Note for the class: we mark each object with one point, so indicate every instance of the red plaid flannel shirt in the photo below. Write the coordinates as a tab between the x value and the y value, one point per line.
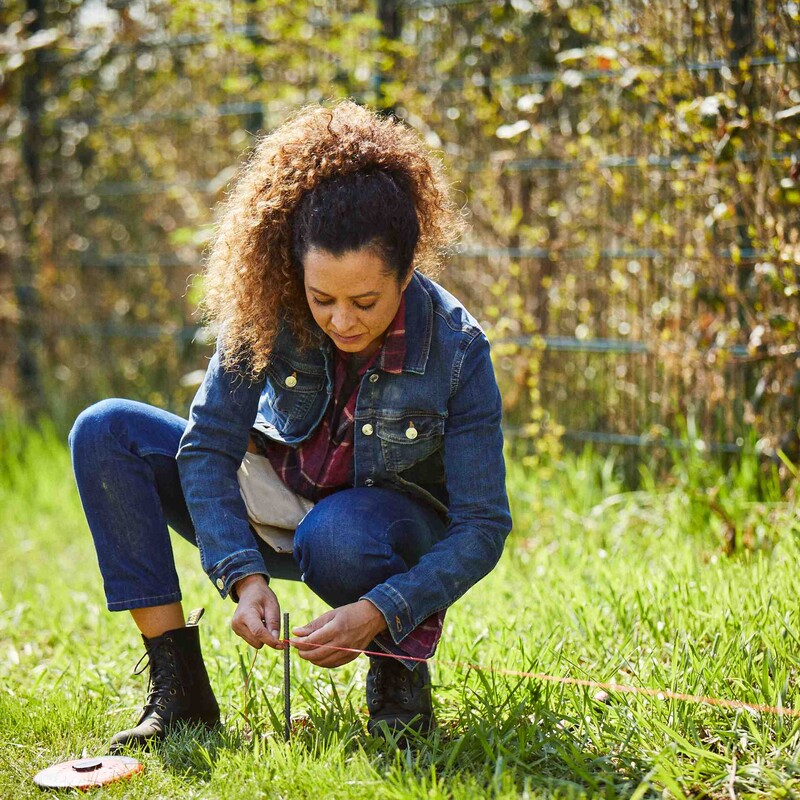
323	463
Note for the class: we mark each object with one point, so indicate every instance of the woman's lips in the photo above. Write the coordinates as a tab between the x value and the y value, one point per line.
346	338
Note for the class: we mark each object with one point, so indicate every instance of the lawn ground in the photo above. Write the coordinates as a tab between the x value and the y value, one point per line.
596	582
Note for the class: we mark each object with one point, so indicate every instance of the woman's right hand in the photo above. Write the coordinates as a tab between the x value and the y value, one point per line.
257	618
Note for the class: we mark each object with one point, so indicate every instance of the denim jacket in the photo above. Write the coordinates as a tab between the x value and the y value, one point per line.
432	431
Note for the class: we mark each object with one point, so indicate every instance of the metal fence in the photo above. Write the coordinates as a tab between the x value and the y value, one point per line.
112	319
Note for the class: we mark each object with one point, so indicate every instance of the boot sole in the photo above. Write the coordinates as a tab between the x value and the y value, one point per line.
155	738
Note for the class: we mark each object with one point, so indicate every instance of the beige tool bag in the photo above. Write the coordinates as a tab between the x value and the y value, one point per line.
273	508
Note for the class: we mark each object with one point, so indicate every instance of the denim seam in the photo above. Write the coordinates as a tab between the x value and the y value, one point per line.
389	528
446	317
232	593
394	597
239	571
116	438
156	452
386	593
427	335
124	446
458	364
220	566
173	596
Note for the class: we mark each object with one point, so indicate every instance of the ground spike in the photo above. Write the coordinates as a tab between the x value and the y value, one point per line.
287	702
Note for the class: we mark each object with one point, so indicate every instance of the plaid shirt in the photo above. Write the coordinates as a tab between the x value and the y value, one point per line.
323	463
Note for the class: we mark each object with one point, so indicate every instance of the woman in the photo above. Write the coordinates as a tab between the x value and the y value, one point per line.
367	387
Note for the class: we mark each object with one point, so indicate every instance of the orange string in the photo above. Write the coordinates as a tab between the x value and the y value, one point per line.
660	694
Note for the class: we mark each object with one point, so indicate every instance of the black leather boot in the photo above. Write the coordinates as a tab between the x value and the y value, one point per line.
398	699
179	688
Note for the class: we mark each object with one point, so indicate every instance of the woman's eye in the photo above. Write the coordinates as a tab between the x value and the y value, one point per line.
357	305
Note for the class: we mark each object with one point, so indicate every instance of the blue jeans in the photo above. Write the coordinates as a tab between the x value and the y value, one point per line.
123	456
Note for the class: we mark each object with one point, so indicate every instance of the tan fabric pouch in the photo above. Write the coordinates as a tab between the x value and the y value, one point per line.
273	509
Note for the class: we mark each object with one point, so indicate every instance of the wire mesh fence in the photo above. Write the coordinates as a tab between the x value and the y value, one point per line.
627	172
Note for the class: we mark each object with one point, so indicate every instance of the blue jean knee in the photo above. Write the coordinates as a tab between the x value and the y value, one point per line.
356	539
123	457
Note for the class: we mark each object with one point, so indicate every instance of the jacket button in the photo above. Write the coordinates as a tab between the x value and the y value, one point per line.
411	431
367	429
373	378
291	381
220	584
369	482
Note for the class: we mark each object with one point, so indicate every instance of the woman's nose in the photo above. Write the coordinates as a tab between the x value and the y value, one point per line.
341	321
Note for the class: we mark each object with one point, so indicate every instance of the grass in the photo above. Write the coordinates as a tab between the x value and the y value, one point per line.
689	583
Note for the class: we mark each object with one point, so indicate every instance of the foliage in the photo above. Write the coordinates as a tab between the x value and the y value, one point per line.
627	168
631	198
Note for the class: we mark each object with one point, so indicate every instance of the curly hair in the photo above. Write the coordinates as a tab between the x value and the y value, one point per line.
252	280
363	209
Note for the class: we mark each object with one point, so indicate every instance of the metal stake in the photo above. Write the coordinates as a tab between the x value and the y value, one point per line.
287	703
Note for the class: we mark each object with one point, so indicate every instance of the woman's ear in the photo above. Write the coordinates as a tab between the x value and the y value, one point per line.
407	280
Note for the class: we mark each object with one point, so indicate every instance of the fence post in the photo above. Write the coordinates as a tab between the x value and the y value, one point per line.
253	122
741	28
391	28
741	39
26	289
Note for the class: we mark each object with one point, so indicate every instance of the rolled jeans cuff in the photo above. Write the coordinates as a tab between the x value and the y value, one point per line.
144	602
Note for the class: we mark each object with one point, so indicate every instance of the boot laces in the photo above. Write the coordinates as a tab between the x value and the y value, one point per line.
392	683
163	682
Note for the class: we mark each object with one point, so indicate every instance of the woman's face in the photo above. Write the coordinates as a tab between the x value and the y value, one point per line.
353	297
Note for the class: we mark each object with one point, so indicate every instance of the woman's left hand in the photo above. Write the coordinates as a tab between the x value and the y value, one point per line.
354	626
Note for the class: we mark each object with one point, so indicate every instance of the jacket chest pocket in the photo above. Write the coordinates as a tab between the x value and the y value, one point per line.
294	390
409	439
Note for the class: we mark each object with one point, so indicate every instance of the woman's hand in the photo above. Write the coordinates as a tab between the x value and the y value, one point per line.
257	618
354	625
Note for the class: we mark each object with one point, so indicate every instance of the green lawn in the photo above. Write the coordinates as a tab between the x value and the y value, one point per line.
596	582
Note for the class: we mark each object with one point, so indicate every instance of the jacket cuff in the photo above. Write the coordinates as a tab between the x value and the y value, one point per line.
395	610
235	567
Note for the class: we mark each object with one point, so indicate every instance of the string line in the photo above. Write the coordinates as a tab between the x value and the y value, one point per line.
659	694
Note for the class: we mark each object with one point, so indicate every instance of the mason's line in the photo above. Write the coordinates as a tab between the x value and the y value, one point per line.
659	694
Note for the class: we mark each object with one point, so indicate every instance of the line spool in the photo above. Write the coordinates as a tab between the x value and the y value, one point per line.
88	773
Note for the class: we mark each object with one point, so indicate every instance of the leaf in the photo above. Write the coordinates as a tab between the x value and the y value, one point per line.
513	129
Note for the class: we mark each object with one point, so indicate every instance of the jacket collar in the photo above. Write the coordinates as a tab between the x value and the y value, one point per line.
419	325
